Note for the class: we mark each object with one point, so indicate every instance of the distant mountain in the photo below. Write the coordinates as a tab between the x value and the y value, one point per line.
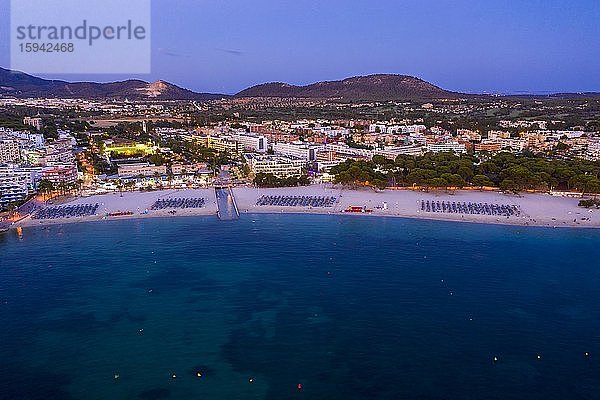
559	96
23	85
381	87
371	87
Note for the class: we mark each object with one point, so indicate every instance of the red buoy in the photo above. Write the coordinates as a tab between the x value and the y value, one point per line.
299	386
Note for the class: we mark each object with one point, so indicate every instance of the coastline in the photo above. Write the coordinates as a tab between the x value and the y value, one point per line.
539	210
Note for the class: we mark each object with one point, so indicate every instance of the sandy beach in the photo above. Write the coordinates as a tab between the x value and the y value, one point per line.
138	203
536	209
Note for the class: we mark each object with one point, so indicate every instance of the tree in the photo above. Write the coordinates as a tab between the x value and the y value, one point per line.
508	185
157	178
456	180
379	183
561	146
45	187
481	180
381	160
514	171
270	180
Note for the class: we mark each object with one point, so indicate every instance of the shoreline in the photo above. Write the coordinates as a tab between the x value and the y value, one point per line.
538	210
97	219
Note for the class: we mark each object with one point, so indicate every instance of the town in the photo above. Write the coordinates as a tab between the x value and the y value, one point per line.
299	200
91	147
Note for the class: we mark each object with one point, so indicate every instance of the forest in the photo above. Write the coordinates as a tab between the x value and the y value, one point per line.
509	172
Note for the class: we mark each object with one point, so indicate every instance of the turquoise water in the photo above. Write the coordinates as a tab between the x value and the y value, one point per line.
348	307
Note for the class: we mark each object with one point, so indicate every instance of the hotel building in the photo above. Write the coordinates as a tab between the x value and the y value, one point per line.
277	165
60	174
16	182
300	150
143	169
9	151
447	147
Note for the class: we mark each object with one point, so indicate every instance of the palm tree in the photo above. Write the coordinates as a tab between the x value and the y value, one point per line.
156	177
45	187
79	184
130	185
62	187
12	209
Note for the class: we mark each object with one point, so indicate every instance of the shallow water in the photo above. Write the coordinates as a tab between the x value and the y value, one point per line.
350	308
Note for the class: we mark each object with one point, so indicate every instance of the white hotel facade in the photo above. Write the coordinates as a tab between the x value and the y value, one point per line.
305	151
279	166
17	182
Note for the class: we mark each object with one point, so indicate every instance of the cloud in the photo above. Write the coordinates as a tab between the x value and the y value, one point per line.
231	51
171	53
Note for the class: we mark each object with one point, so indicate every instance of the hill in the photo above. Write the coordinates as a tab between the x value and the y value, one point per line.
381	87
23	85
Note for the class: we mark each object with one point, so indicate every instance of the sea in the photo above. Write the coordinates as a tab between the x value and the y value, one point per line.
288	306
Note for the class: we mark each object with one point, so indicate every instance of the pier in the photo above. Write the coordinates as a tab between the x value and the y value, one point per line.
226	207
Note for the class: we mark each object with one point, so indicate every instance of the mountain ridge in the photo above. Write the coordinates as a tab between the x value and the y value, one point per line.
20	84
376	87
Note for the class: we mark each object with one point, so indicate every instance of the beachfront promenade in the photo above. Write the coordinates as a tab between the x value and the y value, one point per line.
228	203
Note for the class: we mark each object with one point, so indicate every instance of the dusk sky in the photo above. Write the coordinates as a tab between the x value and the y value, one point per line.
462	45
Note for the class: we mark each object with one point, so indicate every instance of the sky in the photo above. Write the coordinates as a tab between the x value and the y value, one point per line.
495	46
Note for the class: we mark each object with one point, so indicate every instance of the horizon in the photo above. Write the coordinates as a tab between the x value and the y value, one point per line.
463	46
516	93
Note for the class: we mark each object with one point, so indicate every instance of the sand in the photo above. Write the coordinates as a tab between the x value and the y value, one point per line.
536	209
139	203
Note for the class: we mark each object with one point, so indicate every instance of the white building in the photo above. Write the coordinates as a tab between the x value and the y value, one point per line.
33	156
9	151
344	149
277	165
33	121
593	150
143	169
60	174
16	182
513	144
67	135
467	134
251	142
413	129
331	132
301	150
59	152
224	143
26	139
570	134
498	135
325	166
397	129
447	147
378	128
391	152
